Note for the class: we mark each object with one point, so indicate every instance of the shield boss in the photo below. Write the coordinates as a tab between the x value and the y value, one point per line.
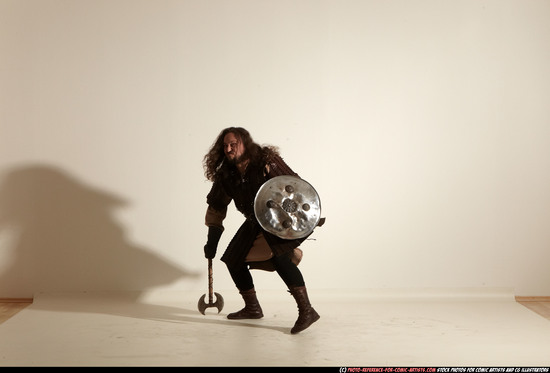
287	207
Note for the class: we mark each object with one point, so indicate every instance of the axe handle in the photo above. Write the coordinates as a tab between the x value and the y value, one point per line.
210	283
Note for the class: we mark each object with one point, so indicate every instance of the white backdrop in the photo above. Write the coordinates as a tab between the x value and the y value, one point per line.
424	126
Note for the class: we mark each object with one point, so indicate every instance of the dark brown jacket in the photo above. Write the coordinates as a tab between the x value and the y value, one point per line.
231	186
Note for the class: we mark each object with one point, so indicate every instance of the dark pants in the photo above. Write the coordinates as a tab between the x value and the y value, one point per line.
288	271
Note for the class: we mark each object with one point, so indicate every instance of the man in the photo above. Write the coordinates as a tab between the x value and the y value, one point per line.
237	167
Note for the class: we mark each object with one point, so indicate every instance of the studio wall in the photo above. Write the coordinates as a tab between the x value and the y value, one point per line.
423	125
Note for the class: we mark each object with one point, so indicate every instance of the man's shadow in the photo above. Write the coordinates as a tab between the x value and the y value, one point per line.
60	235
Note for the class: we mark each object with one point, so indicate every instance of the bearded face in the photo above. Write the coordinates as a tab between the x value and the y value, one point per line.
233	148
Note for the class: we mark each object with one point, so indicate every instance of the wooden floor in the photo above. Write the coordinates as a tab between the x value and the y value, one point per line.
9	307
539	305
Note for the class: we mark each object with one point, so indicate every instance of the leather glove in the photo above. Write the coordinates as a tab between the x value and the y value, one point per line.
214	234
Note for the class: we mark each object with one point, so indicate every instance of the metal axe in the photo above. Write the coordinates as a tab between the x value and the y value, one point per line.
219	299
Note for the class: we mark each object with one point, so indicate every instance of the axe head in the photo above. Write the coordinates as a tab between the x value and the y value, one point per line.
218	303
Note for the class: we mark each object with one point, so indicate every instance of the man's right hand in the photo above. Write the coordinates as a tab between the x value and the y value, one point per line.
214	234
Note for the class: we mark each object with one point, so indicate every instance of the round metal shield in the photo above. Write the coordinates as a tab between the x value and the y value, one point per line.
288	207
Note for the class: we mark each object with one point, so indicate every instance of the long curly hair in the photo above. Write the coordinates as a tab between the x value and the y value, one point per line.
214	160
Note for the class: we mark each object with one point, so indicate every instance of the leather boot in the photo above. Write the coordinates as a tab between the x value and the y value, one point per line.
251	310
306	314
